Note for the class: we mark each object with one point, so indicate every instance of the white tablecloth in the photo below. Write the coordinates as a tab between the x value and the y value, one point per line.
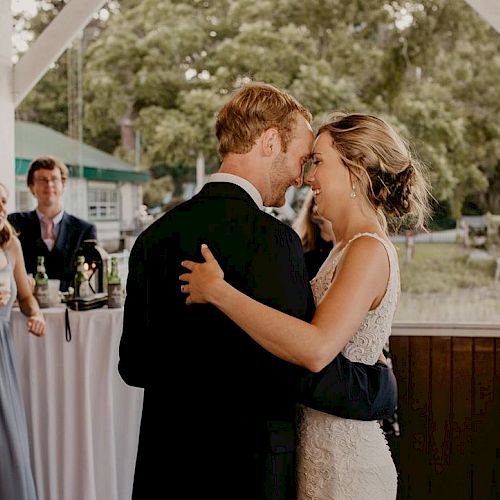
83	420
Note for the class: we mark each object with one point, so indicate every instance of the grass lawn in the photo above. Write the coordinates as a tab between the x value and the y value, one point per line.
441	283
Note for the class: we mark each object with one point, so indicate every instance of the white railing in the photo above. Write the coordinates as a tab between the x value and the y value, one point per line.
447	236
445	329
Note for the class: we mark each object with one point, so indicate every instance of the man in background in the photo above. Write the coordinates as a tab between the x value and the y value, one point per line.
48	230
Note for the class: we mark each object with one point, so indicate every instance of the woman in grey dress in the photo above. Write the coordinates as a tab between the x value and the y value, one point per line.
16	478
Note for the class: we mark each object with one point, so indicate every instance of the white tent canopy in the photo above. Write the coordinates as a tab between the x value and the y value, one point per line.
16	81
489	10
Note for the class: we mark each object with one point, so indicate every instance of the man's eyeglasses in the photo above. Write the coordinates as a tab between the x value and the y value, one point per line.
47	180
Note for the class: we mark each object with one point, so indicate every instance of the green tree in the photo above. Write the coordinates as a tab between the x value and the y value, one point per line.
162	69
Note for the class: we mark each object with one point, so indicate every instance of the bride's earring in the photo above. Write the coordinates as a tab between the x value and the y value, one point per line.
353	193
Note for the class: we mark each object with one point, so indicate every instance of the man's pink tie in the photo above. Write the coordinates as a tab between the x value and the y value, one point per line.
48	234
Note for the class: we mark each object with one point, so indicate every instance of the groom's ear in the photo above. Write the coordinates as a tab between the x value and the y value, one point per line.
270	142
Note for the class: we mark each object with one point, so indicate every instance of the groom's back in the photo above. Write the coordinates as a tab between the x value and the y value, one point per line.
222	391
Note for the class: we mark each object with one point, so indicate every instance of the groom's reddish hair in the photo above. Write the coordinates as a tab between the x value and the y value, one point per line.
252	109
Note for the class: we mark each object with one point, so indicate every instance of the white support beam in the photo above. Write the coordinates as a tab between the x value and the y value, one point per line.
7	155
51	43
489	10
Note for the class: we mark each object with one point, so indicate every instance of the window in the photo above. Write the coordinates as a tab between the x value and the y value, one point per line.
24	200
103	204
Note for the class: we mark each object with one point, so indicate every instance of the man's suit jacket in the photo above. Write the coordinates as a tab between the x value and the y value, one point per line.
60	262
218	408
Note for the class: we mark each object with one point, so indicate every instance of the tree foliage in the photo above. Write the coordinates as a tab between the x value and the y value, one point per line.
165	67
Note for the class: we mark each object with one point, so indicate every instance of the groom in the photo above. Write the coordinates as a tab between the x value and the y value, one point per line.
218	408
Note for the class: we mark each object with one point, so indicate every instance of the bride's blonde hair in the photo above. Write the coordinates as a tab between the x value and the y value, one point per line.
394	182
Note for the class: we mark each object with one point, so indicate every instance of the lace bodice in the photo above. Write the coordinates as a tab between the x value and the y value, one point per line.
367	343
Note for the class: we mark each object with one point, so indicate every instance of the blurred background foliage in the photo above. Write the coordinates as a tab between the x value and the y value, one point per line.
153	73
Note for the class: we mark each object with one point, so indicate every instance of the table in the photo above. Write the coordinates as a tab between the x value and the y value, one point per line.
83	420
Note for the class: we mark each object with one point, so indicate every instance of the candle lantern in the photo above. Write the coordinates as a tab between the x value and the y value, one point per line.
96	259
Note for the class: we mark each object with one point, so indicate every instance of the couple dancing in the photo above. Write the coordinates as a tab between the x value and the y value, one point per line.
231	376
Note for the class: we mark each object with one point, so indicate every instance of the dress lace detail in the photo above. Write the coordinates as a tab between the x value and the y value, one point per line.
342	459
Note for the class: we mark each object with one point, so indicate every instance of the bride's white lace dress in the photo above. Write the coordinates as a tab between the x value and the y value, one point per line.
345	459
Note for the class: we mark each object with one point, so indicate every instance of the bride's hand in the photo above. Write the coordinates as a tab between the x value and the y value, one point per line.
36	324
202	278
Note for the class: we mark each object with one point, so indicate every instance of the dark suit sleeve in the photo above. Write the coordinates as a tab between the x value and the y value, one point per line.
91	233
14	221
132	363
351	390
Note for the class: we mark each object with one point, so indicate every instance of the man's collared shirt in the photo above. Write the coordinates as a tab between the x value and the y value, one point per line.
57	221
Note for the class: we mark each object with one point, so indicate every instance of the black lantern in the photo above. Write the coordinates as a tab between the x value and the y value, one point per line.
96	259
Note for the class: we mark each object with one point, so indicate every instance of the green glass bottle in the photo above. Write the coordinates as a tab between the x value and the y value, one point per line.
81	280
41	291
115	295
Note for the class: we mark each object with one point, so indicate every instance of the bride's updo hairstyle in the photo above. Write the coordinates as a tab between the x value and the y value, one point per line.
379	159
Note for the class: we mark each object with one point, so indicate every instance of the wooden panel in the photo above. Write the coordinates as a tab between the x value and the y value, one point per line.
449	411
496	420
418	418
440	424
483	450
400	351
461	438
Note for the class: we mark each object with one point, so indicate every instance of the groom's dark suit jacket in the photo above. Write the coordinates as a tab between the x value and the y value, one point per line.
60	261
219	411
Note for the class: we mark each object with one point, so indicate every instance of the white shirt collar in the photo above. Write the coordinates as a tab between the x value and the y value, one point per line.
56	219
242	183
